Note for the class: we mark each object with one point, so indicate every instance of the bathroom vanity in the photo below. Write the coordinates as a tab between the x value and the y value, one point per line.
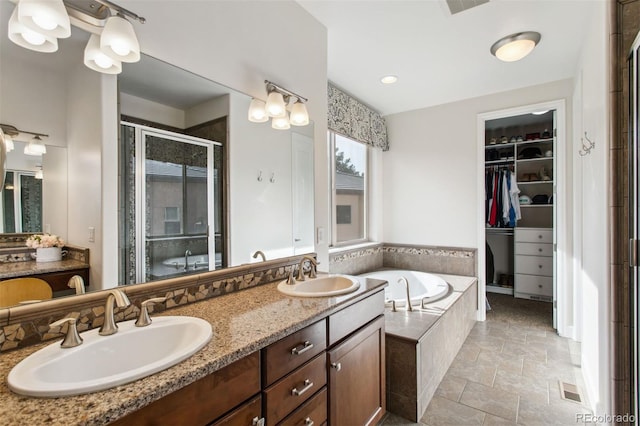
272	360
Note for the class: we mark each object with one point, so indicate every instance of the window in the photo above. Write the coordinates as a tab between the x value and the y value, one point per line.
349	190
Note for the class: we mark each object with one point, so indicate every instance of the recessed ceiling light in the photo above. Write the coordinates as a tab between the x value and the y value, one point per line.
389	79
515	46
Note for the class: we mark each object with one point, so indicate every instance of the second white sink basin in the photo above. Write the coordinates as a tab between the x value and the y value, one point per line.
323	286
103	362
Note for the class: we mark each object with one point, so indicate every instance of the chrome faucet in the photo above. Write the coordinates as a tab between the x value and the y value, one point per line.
406	283
186	259
121	300
312	271
261	254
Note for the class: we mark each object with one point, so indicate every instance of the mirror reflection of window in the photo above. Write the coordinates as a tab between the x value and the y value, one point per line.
22	202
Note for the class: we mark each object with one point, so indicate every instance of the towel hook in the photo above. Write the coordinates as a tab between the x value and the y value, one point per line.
586	148
260	176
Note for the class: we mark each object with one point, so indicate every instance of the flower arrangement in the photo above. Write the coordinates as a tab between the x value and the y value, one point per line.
44	240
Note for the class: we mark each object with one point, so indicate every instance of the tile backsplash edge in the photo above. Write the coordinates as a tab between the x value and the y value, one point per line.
26	325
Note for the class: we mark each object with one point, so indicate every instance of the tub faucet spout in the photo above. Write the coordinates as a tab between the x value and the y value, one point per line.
406	283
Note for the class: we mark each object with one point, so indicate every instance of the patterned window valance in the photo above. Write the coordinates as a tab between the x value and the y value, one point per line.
352	118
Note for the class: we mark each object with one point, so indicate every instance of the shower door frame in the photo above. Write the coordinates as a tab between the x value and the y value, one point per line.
140	175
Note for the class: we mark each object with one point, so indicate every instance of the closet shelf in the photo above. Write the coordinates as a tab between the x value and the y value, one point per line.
498	162
526	160
536	141
530	206
535	182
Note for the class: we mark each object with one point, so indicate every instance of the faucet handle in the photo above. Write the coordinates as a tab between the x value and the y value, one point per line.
144	319
72	338
292	279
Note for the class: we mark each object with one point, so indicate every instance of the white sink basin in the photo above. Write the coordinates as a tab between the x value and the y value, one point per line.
323	286
103	362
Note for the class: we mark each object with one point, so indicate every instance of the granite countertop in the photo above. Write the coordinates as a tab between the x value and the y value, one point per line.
398	324
21	269
242	323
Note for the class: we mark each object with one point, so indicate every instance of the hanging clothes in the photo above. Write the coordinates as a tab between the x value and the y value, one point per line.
502	207
514	193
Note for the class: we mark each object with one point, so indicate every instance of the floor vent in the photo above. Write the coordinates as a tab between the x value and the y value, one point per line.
570	392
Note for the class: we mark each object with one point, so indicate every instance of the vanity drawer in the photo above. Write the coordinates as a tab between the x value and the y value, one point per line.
314	410
243	415
292	351
534	235
534	265
287	394
534	249
532	284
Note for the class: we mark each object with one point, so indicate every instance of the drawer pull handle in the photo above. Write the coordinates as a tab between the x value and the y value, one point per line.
336	365
308	384
540	266
257	421
540	236
540	250
308	422
539	285
305	347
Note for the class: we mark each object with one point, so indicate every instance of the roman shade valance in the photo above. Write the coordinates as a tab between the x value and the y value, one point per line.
350	117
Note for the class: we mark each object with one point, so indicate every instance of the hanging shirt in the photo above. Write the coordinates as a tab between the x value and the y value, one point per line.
506	203
514	192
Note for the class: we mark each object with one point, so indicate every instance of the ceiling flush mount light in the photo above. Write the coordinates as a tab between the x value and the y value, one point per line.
515	46
37	25
388	79
278	99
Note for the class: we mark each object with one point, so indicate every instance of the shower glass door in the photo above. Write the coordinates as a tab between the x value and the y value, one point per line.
176	181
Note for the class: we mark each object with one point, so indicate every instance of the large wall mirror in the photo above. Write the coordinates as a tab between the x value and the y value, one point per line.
258	181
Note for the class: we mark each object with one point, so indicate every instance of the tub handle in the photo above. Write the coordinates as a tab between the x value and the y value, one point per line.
305	347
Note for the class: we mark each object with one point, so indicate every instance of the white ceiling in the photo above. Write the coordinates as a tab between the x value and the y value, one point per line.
439	57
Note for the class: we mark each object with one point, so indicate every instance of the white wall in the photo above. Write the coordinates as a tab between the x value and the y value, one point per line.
429	187
592	184
207	111
87	166
145	109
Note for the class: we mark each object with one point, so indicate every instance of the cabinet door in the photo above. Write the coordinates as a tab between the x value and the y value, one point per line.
248	414
357	377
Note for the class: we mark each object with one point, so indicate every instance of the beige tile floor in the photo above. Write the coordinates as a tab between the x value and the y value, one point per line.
507	372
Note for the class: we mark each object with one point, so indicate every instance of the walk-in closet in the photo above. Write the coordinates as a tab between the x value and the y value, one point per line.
519	205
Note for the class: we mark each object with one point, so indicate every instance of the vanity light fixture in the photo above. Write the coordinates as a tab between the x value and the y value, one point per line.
515	46
39	174
257	111
37	25
35	146
540	112
278	99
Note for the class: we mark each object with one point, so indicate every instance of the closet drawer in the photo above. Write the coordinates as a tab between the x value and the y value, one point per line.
534	265
532	284
534	235
534	249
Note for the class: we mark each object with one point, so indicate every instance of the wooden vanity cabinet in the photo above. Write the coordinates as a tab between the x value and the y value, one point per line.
208	399
58	280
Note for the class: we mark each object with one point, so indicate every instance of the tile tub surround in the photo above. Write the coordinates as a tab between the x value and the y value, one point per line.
242	322
421	346
507	372
441	260
25	325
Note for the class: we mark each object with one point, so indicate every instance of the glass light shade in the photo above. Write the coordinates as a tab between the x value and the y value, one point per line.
281	123
97	60
119	41
275	105
29	39
47	17
299	114
388	79
8	143
35	147
39	174
515	46
257	111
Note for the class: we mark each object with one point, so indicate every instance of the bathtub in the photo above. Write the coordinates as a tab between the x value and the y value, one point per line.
422	285
198	261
